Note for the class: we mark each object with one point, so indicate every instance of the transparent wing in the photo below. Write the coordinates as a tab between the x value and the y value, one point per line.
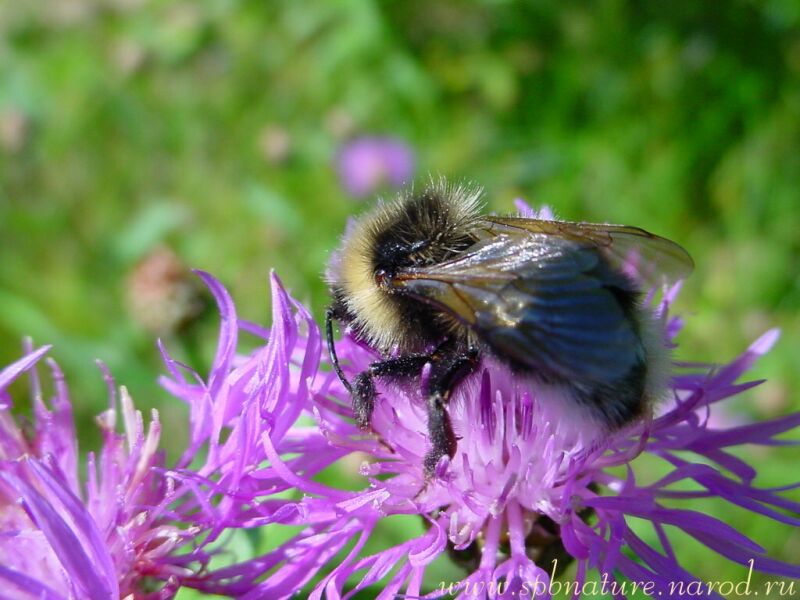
650	260
545	302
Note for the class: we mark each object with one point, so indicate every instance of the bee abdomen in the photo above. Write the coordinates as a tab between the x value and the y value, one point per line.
618	402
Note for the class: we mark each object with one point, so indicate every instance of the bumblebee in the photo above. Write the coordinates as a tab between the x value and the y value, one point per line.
426	279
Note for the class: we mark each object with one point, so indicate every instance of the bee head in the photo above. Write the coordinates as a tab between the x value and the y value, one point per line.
415	229
422	229
392	255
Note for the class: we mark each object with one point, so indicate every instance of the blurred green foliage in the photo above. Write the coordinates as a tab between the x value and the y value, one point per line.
211	126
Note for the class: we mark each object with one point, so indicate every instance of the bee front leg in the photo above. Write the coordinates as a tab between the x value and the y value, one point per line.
447	372
363	389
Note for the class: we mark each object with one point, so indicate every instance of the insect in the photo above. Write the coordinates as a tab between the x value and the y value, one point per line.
427	279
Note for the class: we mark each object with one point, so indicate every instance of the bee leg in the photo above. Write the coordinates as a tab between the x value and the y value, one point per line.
363	390
331	314
447	372
363	396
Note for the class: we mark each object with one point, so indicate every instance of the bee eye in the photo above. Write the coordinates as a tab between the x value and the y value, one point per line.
382	278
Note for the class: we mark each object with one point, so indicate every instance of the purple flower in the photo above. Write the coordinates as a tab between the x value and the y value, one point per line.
59	538
528	484
137	529
367	163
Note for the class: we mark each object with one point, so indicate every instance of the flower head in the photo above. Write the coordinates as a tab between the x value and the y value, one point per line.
64	539
526	486
136	526
366	163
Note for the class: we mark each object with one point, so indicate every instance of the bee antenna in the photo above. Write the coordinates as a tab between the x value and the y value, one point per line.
330	315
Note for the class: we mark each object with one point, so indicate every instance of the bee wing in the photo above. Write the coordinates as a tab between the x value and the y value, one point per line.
650	260
545	302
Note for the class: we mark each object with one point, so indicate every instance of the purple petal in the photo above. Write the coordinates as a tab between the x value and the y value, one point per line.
74	508
23	587
15	369
228	333
66	544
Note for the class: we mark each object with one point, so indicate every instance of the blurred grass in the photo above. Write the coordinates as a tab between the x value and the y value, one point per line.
211	126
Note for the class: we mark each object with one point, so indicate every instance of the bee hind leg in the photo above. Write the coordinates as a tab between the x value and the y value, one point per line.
448	370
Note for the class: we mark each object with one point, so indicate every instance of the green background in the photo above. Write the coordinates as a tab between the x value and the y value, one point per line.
212	126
